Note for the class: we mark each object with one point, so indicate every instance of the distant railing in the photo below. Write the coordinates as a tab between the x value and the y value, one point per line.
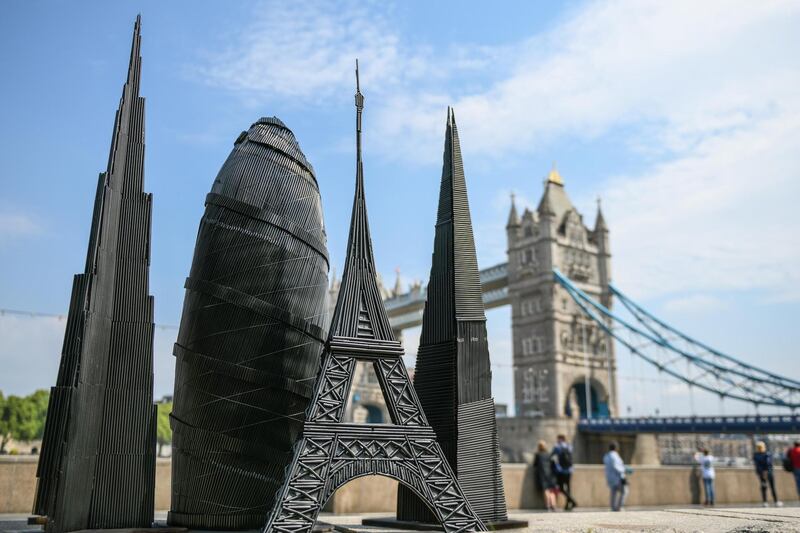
693	424
405	310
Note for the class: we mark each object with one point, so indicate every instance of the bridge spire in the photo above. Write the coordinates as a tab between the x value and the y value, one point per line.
600	221
513	217
553	176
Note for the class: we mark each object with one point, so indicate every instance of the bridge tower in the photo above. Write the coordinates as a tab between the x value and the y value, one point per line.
564	366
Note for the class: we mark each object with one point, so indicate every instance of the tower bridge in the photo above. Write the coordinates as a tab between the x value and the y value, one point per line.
557	280
563	362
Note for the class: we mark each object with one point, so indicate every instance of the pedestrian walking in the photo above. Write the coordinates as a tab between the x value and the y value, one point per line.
615	477
793	460
562	466
762	460
706	461
543	474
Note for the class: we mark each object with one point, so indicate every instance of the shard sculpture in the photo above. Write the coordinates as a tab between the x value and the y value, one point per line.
330	453
251	334
453	374
97	466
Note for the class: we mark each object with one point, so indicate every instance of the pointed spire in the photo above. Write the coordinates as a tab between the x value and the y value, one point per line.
398	284
359	110
359	309
456	272
135	62
545	207
554	176
453	371
129	123
513	217
600	221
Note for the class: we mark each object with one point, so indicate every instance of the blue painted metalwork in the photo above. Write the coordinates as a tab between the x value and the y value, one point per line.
668	333
663	346
599	407
693	424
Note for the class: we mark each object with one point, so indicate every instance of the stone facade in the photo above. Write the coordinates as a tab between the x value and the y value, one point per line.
554	343
676	485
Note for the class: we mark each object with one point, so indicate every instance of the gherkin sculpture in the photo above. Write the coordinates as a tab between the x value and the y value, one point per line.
453	375
97	466
252	330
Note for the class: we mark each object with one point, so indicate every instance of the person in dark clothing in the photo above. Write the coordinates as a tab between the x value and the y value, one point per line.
562	466
763	463
543	475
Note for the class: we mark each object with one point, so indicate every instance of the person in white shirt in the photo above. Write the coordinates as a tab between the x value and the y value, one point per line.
706	462
615	477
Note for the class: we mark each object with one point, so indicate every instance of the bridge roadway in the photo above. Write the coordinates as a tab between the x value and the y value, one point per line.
405	310
693	424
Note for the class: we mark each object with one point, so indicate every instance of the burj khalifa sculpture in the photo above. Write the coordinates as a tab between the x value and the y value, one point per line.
97	466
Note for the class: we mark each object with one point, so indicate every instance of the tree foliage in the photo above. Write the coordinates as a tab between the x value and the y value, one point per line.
163	430
22	418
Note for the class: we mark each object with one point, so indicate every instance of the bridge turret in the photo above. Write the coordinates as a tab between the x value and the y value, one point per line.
600	238
558	353
513	225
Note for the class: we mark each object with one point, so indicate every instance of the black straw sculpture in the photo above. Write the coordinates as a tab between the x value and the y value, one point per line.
251	334
97	468
453	375
331	453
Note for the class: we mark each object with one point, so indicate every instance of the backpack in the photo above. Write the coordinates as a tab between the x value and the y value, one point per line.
565	458
788	465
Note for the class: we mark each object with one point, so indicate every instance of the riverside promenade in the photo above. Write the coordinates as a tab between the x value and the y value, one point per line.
670	520
651	487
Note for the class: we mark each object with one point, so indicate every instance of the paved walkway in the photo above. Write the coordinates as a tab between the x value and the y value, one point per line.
673	520
677	520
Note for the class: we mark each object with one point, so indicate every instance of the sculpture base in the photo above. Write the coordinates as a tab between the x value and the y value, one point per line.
162	527
394	523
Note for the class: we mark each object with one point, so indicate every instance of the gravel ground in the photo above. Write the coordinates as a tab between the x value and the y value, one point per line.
677	520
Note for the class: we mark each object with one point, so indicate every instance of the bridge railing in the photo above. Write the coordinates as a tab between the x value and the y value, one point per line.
748	424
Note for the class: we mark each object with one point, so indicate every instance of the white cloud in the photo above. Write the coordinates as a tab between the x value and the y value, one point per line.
306	51
18	225
678	71
717	218
685	68
694	303
707	93
28	343
34	342
303	50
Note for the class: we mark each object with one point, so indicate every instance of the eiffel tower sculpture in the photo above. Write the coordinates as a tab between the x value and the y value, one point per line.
331	453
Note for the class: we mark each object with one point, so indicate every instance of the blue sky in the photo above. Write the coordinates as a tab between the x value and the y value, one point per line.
683	116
